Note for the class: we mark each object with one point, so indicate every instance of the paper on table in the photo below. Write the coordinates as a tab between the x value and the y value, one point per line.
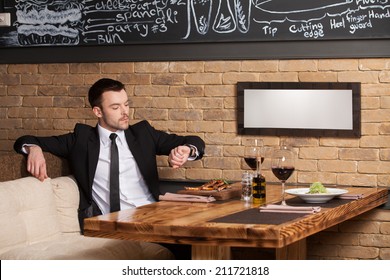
186	197
350	196
289	209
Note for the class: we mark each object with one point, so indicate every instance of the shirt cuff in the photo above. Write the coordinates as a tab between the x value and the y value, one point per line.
24	150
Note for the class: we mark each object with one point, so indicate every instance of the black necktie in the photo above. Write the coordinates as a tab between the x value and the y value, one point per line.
114	175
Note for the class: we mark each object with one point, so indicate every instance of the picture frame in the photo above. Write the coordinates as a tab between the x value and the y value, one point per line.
308	109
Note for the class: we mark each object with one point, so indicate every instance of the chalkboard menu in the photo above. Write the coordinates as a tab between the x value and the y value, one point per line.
79	23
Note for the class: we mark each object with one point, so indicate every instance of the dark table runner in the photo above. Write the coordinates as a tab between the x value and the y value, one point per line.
254	216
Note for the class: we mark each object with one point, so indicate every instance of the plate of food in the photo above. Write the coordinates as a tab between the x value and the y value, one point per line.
212	185
317	193
220	189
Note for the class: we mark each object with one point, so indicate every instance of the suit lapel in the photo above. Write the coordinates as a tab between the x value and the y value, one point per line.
135	149
93	155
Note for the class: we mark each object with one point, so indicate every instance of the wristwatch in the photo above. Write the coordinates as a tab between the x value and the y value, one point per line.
194	150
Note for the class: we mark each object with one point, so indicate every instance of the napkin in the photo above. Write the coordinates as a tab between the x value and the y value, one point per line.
289	209
186	197
350	196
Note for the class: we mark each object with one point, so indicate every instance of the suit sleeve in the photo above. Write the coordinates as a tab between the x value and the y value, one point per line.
57	145
165	142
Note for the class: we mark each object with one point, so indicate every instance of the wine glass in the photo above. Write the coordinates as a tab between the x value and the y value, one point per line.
282	165
253	154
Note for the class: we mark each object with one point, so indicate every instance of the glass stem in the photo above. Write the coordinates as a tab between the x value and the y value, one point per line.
283	200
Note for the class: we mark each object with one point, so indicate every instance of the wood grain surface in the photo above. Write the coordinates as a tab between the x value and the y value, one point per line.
189	223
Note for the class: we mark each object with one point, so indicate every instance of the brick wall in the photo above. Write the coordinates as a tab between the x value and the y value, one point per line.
364	237
200	98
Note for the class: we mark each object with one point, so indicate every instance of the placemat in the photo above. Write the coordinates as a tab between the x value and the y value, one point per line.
254	216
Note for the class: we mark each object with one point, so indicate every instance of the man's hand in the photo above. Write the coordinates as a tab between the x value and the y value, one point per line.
36	162
179	156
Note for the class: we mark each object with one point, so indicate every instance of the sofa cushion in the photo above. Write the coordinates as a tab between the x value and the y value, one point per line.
78	247
27	212
67	199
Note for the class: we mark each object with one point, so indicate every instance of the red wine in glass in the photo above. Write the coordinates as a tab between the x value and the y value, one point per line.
283	173
283	165
252	162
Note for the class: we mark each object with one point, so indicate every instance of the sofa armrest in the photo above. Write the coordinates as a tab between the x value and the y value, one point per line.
14	166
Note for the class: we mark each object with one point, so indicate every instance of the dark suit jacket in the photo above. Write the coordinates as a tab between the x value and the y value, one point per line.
81	148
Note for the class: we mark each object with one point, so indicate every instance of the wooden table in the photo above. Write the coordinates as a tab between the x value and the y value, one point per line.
191	223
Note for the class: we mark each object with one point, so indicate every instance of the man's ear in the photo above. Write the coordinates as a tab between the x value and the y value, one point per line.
97	111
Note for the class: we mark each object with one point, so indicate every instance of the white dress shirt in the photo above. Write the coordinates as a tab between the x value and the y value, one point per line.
133	190
132	187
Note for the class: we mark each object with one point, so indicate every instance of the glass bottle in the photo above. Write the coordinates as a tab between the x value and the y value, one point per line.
258	184
258	187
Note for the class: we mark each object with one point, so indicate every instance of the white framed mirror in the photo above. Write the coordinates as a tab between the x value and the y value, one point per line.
299	109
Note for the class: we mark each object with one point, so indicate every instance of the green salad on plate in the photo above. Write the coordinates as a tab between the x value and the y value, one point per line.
317	187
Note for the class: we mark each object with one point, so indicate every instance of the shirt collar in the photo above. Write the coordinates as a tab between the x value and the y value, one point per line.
104	135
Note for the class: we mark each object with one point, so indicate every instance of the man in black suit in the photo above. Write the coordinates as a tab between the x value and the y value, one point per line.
88	152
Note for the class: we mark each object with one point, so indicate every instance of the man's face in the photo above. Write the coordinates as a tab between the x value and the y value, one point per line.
114	112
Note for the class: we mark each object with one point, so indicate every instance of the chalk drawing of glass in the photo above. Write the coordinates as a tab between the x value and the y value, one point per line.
243	14
224	20
201	11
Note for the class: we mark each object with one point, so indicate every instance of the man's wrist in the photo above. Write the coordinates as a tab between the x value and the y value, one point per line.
26	148
193	151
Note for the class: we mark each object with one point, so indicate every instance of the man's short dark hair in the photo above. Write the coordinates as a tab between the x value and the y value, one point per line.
100	87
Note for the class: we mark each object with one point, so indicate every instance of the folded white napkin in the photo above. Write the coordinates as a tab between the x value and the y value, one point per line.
186	197
350	196
289	209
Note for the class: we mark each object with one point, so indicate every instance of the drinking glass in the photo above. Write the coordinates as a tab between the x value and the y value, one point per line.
253	154
283	165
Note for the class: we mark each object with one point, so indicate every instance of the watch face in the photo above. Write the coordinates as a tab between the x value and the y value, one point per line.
192	150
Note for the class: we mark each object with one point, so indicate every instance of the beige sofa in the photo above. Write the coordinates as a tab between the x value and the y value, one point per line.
38	220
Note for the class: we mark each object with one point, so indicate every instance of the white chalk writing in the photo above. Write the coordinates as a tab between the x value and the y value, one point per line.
101	22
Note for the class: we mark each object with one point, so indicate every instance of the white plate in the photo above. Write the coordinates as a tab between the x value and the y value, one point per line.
316	197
